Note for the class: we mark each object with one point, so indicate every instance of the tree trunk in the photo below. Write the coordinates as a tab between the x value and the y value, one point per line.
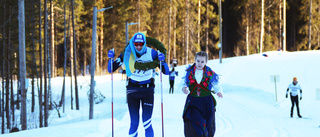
8	89
187	32
64	62
49	55
169	40
33	61
52	47
284	26
138	17
175	33
207	28
262	27
46	114
309	32
22	64
75	57
40	77
280	27
101	43
2	71
247	30
199	19
71	57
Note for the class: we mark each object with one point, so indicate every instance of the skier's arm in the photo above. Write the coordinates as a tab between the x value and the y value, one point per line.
215	85
287	91
218	90
116	63
164	65
184	82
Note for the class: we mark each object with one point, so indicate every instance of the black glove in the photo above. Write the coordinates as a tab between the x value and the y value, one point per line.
300	98
286	95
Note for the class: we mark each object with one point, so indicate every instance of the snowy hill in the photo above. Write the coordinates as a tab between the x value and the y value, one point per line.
248	109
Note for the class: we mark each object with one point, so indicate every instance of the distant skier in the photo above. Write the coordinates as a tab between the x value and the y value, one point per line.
172	75
154	73
199	110
294	89
140	87
174	62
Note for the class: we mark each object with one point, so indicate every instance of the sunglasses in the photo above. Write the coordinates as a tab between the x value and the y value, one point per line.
138	44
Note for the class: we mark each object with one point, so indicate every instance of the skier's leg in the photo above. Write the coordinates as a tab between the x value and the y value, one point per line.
172	86
292	104
297	104
147	108
134	106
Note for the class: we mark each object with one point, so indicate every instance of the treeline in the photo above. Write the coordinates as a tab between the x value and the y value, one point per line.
254	26
59	36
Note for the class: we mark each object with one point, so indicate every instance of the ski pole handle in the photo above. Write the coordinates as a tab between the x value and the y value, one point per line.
111	53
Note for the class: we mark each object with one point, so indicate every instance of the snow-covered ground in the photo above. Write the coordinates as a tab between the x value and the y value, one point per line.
248	109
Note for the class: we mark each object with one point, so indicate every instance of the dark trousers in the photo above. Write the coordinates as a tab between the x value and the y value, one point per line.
189	130
171	86
146	98
294	100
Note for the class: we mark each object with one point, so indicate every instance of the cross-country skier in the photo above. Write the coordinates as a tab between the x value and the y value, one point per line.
174	62
172	75
140	86
294	89
199	111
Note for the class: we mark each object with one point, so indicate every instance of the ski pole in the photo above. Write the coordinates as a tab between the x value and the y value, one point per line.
161	99
112	95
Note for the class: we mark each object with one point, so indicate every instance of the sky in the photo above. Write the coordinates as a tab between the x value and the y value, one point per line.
254	104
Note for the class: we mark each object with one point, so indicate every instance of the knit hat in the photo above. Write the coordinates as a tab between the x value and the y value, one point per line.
139	38
295	79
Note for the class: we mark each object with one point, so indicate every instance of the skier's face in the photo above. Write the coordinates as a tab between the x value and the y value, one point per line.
201	61
138	46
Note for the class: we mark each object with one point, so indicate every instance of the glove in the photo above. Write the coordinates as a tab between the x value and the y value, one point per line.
161	57
286	95
300	98
111	53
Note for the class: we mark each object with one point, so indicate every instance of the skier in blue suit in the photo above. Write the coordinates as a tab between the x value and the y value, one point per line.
140	87
172	75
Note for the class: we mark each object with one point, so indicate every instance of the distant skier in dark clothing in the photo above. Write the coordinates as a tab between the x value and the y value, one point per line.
199	110
294	89
140	87
172	75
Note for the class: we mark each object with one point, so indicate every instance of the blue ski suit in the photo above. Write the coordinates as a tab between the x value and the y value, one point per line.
140	87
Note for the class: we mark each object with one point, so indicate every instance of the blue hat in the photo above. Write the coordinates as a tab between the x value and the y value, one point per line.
139	38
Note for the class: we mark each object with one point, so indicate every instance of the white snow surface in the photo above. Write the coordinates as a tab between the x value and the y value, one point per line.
248	109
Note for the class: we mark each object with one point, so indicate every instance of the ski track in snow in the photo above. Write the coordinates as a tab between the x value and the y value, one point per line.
235	115
280	132
244	108
226	126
